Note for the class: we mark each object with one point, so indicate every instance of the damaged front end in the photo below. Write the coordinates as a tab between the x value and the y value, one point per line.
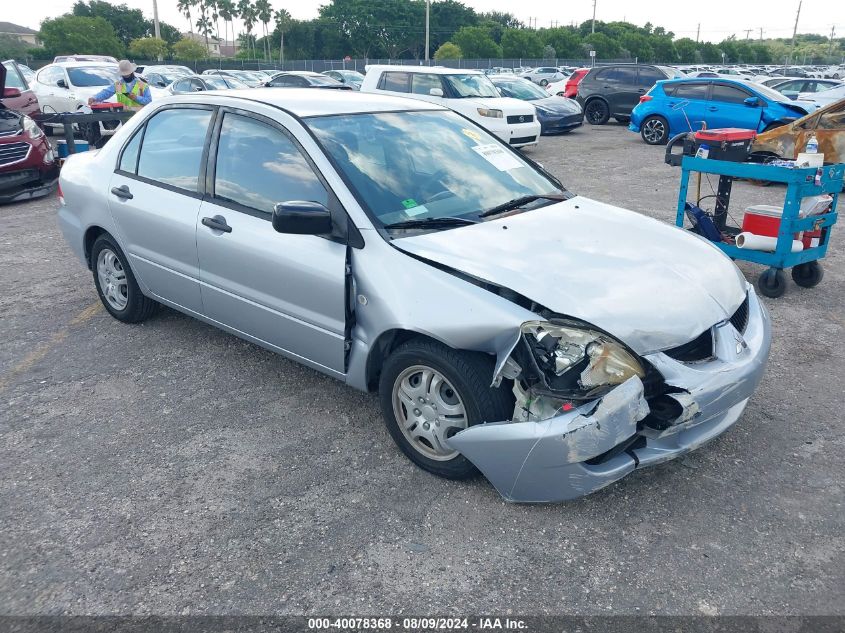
589	411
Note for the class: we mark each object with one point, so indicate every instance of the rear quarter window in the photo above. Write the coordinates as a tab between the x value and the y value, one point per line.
395	82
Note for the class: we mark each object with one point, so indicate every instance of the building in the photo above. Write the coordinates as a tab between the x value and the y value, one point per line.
22	33
229	48
213	42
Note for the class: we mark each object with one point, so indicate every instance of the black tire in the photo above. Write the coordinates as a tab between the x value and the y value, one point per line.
596	112
655	130
544	82
808	275
772	283
772	126
469	373
138	307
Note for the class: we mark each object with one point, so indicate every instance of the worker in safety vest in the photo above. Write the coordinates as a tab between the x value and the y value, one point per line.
131	91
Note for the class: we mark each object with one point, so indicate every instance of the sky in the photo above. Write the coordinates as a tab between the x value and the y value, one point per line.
718	18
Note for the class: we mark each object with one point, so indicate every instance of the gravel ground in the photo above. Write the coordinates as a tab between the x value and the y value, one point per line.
170	468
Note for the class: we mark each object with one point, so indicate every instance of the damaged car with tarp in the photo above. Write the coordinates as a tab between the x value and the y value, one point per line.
510	326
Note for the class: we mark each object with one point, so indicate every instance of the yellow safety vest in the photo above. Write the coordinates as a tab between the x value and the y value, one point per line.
137	90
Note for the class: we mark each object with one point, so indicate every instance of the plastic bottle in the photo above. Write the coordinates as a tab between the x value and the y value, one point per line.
812	145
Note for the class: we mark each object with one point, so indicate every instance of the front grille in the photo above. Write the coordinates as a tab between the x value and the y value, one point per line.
13	152
698	349
740	318
521	118
520	140
10	133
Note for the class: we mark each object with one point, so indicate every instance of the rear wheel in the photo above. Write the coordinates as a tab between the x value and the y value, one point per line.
429	393
544	82
116	283
655	130
596	112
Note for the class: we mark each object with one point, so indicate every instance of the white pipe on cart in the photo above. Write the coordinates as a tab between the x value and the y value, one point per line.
752	242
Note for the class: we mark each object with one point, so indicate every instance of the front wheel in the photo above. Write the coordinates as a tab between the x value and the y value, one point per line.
772	283
429	393
655	130
596	112
544	82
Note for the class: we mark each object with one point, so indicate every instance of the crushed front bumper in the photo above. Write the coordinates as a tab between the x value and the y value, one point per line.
587	448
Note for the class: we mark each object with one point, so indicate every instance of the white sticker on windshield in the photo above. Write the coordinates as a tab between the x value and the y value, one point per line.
415	211
497	156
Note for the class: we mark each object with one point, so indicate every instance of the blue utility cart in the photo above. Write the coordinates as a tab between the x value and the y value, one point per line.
800	183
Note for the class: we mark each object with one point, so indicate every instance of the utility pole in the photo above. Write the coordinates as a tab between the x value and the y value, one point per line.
155	19
795	30
748	34
830	44
761	33
427	12
697	32
594	16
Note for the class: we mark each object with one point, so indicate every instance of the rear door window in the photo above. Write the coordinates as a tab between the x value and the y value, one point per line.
690	91
395	82
649	76
172	147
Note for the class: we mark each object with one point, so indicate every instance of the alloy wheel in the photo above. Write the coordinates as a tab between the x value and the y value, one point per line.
112	278
654	131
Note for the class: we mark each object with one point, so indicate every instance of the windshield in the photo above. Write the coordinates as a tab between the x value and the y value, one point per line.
419	165
522	89
321	80
471	85
89	76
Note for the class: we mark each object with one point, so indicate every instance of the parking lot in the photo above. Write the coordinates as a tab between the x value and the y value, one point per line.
170	468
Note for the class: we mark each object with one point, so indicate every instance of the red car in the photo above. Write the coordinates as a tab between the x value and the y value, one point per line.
28	167
573	81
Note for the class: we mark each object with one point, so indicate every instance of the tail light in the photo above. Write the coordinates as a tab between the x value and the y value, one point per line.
645	98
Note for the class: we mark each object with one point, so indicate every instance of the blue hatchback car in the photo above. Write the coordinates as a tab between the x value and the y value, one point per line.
682	105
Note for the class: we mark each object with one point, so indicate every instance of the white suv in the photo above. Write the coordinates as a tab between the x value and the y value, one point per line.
467	92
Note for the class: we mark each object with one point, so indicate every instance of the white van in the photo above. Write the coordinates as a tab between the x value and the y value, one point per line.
468	92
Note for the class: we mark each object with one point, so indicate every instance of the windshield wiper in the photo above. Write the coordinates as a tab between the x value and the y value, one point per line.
519	202
425	223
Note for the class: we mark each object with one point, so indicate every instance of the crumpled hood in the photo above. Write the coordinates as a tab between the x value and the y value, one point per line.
651	285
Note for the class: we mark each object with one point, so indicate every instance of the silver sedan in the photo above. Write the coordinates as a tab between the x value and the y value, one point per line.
550	341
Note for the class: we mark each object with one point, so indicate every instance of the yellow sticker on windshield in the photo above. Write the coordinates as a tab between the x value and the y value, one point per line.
475	136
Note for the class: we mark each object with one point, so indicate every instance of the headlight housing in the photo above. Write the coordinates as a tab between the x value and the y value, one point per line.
31	128
496	114
575	361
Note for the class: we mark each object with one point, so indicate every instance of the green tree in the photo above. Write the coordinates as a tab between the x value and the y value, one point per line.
12	47
521	43
565	41
448	50
189	50
169	33
448	17
686	49
71	34
128	24
227	10
247	13
148	48
604	46
264	12
637	45
475	43
283	25
184	7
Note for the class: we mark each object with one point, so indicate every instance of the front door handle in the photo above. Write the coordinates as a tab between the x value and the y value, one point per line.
712	108
218	223
122	192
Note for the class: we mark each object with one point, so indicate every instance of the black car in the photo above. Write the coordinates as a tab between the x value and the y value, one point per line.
555	114
615	90
304	79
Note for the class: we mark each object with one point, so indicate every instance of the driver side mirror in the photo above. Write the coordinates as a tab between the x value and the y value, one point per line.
61	83
752	102
436	92
11	93
299	217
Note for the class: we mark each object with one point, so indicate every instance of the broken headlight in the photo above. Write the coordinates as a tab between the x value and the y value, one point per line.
574	361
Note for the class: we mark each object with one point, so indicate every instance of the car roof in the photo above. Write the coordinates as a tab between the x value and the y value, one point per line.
433	70
84	64
304	102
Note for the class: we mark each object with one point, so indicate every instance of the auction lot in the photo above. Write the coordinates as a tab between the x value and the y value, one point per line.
170	468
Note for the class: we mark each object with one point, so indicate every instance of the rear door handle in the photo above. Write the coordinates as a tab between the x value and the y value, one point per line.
218	223
122	192
712	108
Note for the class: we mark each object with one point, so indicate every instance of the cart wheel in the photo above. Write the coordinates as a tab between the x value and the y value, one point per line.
807	275
772	283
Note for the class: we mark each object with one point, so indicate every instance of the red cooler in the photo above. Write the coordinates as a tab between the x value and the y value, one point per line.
729	143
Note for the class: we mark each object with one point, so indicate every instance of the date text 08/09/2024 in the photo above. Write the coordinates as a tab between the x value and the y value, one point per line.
417	624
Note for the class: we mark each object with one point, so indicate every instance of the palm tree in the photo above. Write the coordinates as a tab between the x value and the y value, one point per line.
227	12
184	7
283	22
204	27
265	14
212	6
247	13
